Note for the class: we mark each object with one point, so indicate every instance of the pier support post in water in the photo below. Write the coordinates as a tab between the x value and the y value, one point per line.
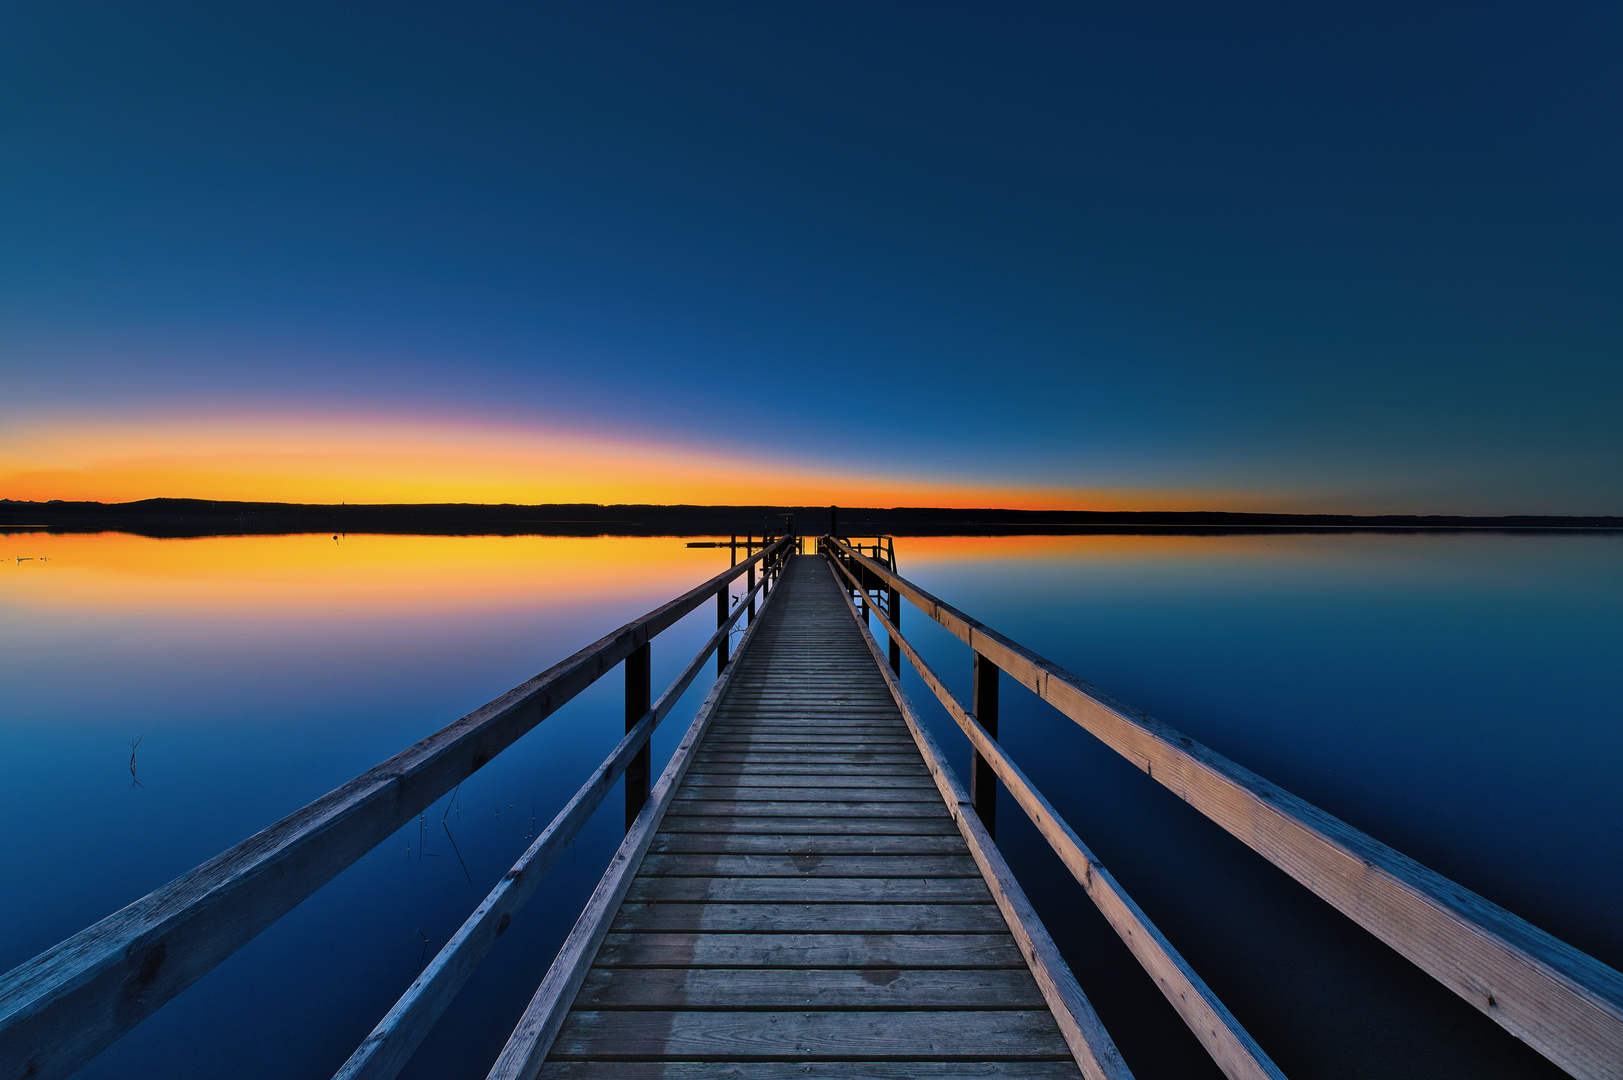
895	613
750	591
721	620
982	778
639	691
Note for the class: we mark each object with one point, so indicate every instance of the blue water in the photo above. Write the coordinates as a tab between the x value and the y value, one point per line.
1456	695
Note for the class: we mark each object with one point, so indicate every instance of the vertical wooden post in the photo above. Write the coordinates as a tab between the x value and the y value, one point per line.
834	521
895	605
722	596
751	585
639	690
864	607
982	780
734	546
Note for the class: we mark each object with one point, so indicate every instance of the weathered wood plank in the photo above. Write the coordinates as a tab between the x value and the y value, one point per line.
741	890
864	780
811	918
800	988
853	826
799	844
807	794
810	1036
827	808
794	1070
815	865
809	950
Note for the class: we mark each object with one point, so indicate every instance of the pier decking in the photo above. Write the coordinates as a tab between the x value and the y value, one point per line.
808	898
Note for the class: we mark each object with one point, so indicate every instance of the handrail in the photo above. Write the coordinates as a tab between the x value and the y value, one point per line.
1228	1043
64	1006
1564	1003
384	1052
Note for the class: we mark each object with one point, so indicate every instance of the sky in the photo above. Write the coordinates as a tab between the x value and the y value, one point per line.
1356	257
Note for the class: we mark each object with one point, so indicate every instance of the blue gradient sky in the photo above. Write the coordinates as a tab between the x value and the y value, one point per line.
1360	258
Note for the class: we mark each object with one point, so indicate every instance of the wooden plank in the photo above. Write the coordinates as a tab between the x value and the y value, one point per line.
64	1006
739	890
794	1070
800	988
912	768
748	843
1564	1003
815	865
863	781
810	1036
809	950
828	808
852	826
822	793
811	918
527	1046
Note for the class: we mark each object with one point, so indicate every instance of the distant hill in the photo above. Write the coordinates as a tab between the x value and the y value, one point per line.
200	517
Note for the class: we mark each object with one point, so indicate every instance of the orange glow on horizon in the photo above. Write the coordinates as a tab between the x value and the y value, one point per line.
368	460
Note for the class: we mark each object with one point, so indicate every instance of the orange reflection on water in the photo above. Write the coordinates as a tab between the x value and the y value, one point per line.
357	574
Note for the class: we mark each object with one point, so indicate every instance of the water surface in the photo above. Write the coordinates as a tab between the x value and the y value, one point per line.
1455	695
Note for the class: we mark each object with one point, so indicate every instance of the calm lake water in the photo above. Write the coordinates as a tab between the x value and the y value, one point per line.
1459	696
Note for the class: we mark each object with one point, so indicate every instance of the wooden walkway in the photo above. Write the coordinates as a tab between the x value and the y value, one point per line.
808	903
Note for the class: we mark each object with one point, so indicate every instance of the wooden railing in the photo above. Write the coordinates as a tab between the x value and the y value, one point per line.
69	1003
1564	1003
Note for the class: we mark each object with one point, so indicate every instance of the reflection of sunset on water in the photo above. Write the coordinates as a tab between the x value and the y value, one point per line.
355	575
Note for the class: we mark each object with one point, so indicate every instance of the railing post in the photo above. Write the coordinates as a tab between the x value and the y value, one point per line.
639	698
733	545
751	594
982	778
896	623
722	596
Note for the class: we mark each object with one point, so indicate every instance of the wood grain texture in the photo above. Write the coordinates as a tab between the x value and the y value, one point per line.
796	1070
811	988
810	1036
1559	1000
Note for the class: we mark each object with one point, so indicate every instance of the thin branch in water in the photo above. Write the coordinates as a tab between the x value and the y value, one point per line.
136	780
458	851
423	958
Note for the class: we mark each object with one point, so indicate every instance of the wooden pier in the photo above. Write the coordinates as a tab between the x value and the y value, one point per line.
808	889
807	898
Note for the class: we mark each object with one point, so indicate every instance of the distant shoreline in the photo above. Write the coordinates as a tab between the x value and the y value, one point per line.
200	517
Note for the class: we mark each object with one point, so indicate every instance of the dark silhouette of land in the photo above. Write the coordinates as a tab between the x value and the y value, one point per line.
200	517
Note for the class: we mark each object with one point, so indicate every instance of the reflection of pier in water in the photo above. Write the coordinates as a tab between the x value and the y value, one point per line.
808	888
